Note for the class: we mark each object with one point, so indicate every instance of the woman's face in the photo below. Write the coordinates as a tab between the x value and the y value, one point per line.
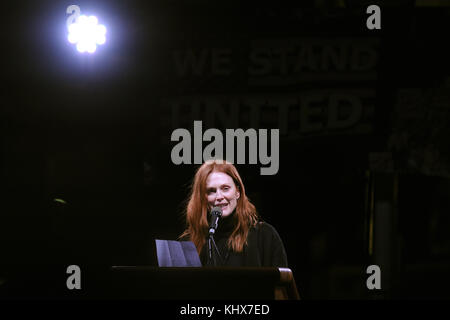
221	192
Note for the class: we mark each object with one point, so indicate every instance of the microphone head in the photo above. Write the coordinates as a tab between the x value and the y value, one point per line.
217	211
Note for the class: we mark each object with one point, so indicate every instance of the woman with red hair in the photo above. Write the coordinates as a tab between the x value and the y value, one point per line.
241	238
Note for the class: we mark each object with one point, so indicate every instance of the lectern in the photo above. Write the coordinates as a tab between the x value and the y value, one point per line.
202	283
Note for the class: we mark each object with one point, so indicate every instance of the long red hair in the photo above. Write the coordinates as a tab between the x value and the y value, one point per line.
197	208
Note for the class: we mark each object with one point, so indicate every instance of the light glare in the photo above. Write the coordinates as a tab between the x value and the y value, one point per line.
93	20
86	33
72	38
81	47
101	39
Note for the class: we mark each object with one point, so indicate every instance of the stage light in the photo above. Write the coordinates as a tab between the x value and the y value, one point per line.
59	201
86	33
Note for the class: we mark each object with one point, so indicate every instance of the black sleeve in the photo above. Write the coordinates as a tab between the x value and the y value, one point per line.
271	247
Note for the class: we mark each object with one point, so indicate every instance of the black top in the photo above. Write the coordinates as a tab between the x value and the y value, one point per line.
264	247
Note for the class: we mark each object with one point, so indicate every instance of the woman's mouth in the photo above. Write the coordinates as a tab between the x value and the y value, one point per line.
222	206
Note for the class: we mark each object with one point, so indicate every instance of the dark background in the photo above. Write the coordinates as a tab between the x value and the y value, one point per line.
94	130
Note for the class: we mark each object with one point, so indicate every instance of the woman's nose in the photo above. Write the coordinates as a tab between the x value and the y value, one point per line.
219	195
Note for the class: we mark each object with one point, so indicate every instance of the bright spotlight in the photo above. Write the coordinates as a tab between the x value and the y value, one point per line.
86	33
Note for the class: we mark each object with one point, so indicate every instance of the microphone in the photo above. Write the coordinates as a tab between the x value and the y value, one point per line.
216	213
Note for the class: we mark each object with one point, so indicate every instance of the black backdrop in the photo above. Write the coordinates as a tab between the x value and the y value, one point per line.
94	130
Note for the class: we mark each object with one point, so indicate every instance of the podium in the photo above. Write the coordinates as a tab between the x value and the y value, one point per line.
202	283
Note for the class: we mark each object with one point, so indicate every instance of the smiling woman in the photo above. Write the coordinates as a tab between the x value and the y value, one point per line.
242	238
222	192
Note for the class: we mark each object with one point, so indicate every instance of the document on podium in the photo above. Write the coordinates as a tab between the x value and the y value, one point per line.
173	253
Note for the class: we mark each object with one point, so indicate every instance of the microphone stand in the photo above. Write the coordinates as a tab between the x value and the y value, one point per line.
212	257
